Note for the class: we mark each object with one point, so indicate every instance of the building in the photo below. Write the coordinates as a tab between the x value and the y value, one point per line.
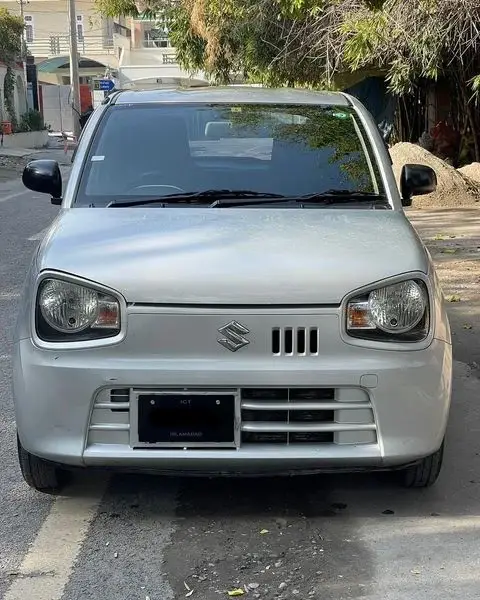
135	51
47	39
145	56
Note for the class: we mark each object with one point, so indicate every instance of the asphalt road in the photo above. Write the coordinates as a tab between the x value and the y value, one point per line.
138	537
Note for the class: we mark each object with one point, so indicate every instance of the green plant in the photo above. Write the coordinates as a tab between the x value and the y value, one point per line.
32	120
11	28
8	93
332	44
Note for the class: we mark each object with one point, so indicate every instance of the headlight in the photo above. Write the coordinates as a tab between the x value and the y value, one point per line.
397	312
70	312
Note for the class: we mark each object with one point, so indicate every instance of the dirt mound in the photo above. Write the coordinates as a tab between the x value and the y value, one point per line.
454	187
472	171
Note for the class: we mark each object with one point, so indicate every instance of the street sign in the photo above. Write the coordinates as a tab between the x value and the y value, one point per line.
106	85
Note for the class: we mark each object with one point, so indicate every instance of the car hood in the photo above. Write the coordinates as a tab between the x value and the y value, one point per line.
232	256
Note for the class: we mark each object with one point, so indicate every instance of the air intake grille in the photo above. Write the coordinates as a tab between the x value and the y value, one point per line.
120	396
291	341
263	416
301	416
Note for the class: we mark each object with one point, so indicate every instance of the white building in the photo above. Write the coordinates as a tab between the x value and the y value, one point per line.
146	58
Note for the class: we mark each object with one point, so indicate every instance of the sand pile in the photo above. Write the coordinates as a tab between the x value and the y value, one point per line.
472	171
455	188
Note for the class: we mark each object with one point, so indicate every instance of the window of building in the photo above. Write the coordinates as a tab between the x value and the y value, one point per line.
29	32
80	33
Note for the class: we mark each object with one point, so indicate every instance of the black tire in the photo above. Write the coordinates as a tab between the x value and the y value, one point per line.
425	473
40	474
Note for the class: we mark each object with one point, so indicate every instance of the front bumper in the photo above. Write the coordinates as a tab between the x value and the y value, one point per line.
403	403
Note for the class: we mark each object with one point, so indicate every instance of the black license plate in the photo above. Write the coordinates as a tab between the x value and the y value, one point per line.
186	419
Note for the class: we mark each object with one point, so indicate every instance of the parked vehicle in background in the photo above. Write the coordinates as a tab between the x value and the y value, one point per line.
232	287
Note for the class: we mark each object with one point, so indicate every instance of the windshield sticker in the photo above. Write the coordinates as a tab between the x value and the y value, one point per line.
97	158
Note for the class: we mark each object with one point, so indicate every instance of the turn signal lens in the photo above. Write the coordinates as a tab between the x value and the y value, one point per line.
358	316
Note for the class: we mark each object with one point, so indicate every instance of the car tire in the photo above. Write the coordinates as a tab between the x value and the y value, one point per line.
425	473
40	474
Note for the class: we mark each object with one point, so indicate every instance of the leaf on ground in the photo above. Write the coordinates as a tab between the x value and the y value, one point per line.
453	298
467	326
236	592
264	531
449	250
415	572
443	236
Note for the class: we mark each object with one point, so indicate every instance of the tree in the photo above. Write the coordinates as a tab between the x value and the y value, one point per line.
11	28
332	44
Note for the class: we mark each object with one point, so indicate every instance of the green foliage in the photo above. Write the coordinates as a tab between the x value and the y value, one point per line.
316	43
8	94
32	120
116	8
11	28
315	130
365	35
475	84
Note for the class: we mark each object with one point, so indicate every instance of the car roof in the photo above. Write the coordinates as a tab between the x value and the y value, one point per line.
230	94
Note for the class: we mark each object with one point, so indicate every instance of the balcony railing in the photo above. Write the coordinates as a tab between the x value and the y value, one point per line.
169	59
59	45
156	43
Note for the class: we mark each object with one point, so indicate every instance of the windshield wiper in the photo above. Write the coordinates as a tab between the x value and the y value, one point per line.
191	197
335	195
328	197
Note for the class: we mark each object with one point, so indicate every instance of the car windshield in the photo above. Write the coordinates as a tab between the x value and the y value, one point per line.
152	151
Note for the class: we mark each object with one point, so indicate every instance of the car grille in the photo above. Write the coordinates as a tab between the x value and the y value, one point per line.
266	416
295	341
305	416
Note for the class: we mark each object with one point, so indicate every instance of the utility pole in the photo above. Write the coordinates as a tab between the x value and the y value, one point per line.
24	49
74	80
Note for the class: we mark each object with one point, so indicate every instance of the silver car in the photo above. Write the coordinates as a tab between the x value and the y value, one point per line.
231	286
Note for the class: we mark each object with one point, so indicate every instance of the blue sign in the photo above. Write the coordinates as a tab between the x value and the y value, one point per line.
106	85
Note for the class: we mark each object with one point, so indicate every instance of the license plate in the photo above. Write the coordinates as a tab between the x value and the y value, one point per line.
181	419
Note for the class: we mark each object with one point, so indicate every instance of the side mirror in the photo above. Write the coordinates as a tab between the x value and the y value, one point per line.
416	180
44	176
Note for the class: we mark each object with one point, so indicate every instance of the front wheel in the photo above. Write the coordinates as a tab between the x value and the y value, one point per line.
40	474
425	473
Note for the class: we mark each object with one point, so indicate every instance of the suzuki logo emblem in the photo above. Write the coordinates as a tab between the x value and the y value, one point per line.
233	334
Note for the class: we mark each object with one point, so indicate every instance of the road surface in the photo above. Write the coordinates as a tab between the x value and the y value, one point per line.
134	537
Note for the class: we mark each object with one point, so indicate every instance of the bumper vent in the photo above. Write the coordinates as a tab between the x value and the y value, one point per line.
291	341
120	396
303	416
110	418
263	416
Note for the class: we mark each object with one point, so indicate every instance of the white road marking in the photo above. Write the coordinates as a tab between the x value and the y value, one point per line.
48	564
11	196
38	236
